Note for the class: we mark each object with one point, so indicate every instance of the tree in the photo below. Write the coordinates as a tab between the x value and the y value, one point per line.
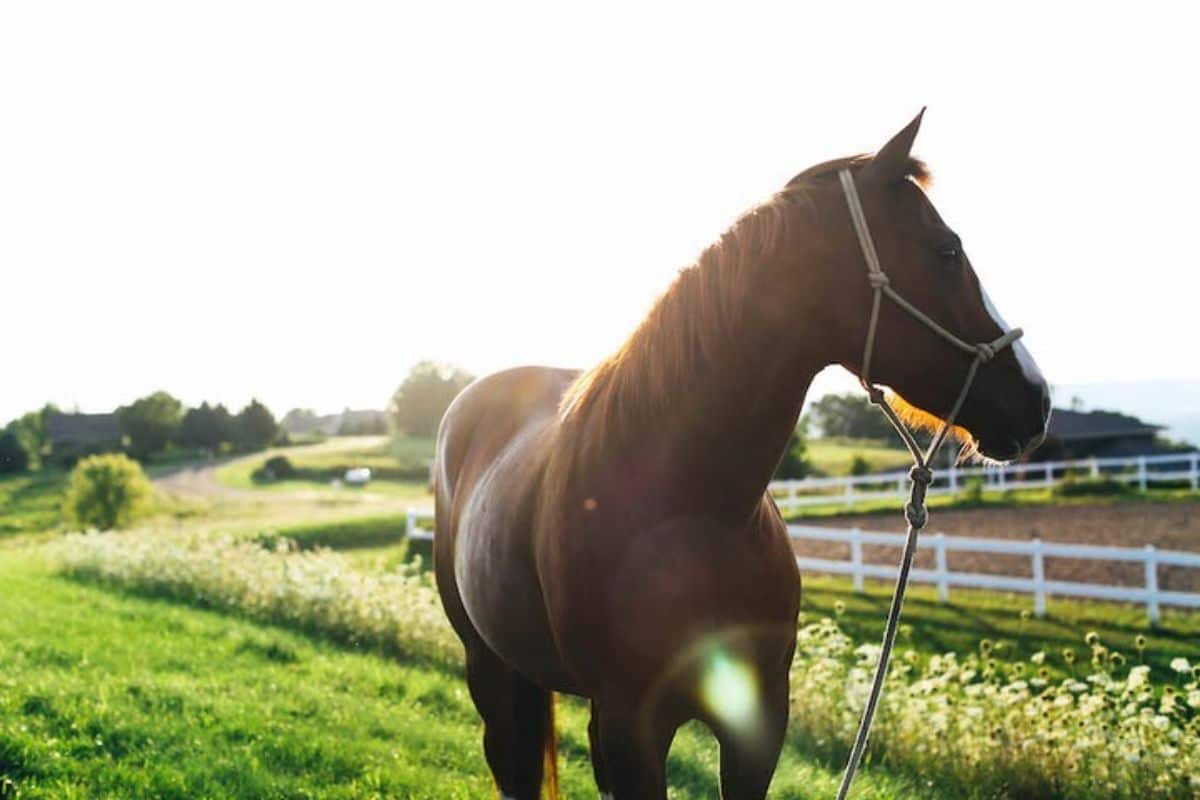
13	455
150	423
851	416
418	405
30	430
255	427
206	426
106	491
794	464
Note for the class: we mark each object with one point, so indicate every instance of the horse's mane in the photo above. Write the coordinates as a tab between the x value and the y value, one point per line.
695	320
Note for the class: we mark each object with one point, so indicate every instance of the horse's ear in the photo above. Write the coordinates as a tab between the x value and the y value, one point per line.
891	162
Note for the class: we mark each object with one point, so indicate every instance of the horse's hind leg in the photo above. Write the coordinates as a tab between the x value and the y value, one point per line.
517	723
599	768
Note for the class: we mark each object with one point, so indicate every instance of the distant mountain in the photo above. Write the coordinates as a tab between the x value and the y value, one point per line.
1175	403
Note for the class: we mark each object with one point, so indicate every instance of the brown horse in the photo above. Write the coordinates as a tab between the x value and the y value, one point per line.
609	534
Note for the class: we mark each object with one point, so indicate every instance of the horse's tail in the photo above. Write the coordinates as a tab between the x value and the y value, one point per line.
550	750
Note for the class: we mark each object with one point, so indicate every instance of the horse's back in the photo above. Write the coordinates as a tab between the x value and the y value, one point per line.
491	452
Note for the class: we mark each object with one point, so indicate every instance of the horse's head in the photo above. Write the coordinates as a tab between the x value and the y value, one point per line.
1007	409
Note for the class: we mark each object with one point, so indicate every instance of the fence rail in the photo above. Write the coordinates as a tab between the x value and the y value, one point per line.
848	491
1149	594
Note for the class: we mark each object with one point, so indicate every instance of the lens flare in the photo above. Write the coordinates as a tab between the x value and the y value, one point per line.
729	690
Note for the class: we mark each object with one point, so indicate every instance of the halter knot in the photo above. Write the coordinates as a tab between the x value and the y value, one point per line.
917	516
921	475
878	280
875	395
985	352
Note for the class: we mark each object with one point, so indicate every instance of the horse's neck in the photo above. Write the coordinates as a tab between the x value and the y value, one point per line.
717	428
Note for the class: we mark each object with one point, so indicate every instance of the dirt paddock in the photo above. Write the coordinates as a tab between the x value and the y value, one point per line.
1167	526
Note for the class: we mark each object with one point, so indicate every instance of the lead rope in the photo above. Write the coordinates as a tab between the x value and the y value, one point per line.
920	474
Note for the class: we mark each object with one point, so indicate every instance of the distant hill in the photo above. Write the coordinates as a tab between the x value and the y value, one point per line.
1174	404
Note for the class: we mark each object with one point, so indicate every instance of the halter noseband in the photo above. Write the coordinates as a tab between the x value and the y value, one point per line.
921	475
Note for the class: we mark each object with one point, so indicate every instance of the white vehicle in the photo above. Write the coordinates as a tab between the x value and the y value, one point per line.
359	476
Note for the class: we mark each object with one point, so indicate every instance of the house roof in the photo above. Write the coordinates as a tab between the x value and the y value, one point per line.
1067	426
83	429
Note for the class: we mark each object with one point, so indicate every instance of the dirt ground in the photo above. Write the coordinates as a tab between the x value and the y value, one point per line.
1167	526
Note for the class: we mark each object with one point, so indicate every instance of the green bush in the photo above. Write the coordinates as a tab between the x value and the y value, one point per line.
973	492
275	468
105	492
13	455
859	465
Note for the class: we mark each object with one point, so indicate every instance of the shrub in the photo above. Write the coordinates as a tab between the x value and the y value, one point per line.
13	455
105	492
794	464
275	468
859	465
973	492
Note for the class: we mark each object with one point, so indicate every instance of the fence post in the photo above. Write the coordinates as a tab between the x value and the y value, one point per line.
792	499
1151	584
1094	465
1195	470
410	523
1039	579
1000	477
856	558
943	571
953	480
1141	462
849	494
1049	474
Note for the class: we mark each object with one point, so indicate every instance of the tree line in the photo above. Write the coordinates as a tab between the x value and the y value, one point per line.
149	426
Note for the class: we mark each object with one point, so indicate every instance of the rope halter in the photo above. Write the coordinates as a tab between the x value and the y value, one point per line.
920	475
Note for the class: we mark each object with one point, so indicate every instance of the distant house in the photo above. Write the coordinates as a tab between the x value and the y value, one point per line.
1103	434
72	436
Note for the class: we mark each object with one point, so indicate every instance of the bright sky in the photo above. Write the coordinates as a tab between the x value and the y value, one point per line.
298	201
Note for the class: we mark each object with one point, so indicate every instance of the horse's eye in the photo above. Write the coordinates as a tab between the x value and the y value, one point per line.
951	254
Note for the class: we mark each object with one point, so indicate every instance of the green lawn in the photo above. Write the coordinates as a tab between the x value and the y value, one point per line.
834	456
1008	498
31	502
106	695
334	456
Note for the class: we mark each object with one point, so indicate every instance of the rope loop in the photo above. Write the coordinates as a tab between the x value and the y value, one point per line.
878	280
875	395
985	352
921	475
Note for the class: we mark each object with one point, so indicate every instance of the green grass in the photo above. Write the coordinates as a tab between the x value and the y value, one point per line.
932	628
834	456
346	534
1009	498
31	502
107	695
334	456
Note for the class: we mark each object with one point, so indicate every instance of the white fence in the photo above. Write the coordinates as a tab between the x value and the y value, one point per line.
1142	471
1149	594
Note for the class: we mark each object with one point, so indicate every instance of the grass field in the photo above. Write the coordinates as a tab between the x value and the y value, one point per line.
110	692
108	695
834	456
